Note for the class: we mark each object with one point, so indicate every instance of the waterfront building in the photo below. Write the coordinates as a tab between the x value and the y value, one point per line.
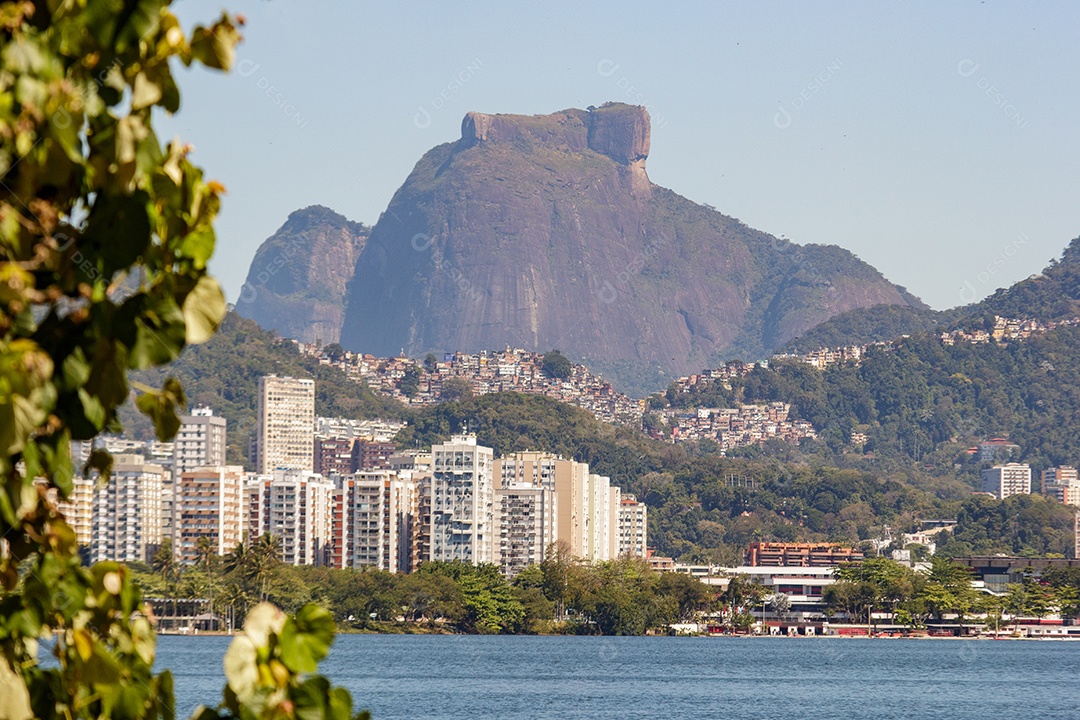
633	527
372	522
208	503
78	510
462	524
294	507
527	525
1006	480
127	512
286	424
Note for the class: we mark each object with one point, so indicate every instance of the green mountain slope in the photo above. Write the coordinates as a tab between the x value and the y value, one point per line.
1054	294
224	374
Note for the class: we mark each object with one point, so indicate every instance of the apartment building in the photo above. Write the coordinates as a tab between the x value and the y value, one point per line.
78	510
208	503
127	512
200	442
293	506
334	455
369	455
1062	483
527	525
286	424
633	527
373	521
1006	480
463	524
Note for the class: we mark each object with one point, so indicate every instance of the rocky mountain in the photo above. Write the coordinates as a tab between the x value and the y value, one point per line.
296	283
546	232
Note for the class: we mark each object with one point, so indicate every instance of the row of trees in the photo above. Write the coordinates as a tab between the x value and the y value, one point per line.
880	585
562	594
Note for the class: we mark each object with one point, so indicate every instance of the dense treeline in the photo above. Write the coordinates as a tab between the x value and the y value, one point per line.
927	402
1052	295
563	595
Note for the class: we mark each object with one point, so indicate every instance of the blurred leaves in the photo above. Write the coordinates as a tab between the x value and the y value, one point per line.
105	237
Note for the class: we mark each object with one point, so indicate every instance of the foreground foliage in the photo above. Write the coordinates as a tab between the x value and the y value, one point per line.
105	236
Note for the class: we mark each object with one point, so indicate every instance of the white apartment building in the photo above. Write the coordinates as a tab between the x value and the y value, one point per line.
78	510
463	525
200	442
1007	480
527	519
293	506
373	520
286	424
127	512
633	527
209	502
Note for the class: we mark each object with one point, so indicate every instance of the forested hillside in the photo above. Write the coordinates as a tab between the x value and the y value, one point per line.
224	374
928	402
1052	295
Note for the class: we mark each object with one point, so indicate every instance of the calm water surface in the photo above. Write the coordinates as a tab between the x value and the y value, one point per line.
459	677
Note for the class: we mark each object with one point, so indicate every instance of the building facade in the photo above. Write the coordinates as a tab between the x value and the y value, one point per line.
1007	480
286	424
633	527
294	507
78	510
127	512
208	503
527	526
463	525
1062	483
780	554
200	442
333	455
373	522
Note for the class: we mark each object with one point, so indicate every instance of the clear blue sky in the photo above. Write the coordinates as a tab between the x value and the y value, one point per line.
937	141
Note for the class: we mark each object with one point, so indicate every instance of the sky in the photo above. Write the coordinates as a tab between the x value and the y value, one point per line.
937	141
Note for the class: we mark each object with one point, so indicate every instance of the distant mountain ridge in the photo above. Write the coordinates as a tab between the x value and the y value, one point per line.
297	280
545	231
1051	295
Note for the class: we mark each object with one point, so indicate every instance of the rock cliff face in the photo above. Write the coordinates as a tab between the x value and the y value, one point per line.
296	283
545	232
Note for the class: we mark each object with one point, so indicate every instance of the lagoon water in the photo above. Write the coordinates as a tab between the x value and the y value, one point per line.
514	678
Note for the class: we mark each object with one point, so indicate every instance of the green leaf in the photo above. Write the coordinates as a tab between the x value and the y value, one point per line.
118	229
311	699
215	46
306	638
160	331
340	704
204	309
161	407
241	668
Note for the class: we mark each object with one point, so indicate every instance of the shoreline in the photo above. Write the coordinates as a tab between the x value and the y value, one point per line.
723	636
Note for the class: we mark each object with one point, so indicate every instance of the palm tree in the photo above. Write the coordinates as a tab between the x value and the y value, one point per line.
235	565
266	557
164	562
204	550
